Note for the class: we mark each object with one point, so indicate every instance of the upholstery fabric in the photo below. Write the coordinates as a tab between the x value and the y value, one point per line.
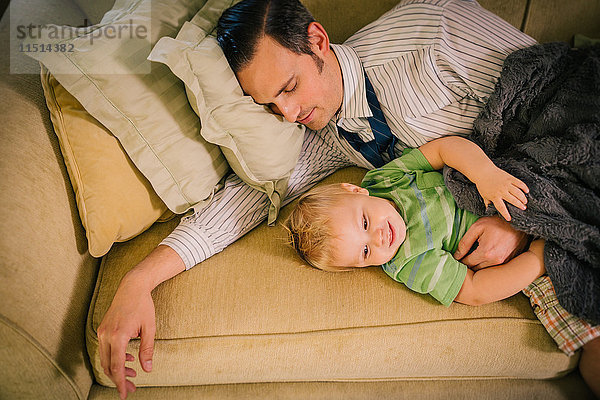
19	383
46	273
262	148
245	316
115	201
549	21
476	389
47	276
144	106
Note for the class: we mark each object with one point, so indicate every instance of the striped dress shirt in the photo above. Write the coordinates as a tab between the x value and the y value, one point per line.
432	64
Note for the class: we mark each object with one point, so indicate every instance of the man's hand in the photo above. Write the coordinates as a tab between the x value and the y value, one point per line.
131	314
498	242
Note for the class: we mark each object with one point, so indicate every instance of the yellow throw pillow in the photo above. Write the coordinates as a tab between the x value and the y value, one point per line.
115	201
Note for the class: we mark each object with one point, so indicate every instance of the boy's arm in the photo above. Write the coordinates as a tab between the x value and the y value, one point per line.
502	281
494	184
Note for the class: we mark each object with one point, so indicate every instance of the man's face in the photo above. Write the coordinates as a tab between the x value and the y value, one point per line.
366	230
292	85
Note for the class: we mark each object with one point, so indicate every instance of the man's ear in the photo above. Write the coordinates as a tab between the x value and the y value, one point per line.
318	38
351	188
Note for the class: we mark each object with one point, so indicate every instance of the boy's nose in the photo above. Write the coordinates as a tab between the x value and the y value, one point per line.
378	237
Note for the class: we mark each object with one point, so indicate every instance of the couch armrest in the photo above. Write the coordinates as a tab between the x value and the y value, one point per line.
47	275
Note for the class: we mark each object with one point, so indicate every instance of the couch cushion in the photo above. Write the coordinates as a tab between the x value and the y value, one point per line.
248	315
47	277
568	388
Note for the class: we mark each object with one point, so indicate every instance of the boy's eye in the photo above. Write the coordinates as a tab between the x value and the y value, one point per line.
364	223
366	251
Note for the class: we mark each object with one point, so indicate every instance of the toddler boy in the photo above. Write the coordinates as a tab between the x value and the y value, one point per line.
405	219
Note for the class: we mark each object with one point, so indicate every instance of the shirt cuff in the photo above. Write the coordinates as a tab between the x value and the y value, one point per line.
190	243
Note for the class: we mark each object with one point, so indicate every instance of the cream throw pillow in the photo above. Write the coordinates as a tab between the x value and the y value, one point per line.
143	104
115	201
261	147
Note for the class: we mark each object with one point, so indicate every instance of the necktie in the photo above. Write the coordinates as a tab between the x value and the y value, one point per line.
384	139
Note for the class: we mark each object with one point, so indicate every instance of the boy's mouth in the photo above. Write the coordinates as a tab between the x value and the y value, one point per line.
391	234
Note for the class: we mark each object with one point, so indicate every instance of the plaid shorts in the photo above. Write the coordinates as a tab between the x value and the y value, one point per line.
568	331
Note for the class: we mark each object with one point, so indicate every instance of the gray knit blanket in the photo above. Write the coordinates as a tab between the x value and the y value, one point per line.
542	125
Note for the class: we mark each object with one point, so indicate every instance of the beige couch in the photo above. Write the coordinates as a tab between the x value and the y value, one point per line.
252	321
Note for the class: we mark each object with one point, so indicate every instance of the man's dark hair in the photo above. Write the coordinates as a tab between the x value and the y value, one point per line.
240	27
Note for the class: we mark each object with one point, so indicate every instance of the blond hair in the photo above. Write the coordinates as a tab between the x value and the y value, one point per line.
309	230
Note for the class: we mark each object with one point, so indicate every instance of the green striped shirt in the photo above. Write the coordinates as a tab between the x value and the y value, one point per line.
434	225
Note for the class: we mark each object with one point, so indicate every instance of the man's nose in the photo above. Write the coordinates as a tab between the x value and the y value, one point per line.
289	110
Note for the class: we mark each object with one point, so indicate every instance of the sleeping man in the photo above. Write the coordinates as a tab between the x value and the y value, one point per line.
392	85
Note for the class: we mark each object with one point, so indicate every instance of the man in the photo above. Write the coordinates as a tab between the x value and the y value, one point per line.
431	66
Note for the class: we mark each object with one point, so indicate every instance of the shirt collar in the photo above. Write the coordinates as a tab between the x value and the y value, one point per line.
354	104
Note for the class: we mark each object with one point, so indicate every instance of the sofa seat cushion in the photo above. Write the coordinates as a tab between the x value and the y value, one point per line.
257	313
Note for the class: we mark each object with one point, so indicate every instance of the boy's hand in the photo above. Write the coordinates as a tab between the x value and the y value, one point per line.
499	186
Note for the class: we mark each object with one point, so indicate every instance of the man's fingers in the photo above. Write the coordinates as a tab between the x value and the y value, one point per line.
477	260
117	363
130	372
130	388
475	268
467	241
471	260
104	349
147	346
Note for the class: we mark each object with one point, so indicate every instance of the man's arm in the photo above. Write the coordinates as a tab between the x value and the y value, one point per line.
486	37
131	315
233	211
502	281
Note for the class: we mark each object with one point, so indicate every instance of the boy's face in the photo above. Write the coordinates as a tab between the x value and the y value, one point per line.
366	230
